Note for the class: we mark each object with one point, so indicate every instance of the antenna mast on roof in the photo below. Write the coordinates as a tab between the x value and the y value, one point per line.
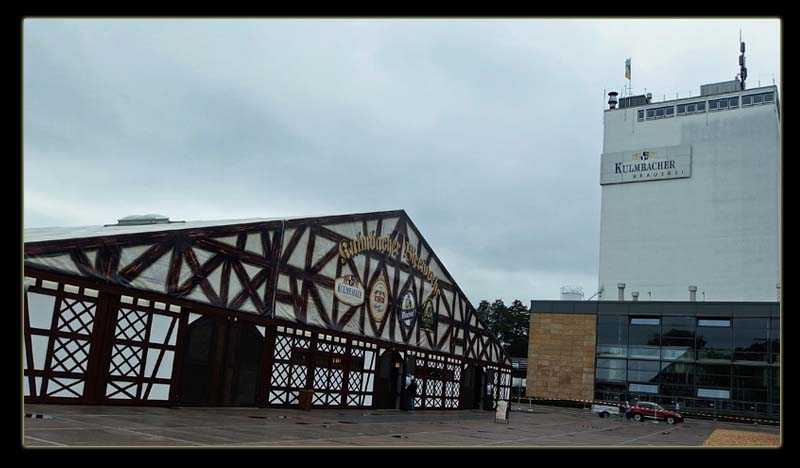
742	68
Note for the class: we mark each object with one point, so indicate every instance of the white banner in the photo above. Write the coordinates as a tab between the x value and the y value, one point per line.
670	162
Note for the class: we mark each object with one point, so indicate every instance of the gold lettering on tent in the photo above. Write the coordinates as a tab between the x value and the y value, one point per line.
391	247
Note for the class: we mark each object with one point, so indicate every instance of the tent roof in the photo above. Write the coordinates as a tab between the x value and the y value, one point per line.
79	232
46	234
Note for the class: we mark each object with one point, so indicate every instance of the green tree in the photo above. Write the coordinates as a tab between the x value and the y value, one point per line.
508	323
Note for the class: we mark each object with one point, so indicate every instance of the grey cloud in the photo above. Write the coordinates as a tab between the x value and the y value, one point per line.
487	132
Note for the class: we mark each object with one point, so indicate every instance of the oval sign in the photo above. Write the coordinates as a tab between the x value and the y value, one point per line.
408	307
379	300
348	289
428	317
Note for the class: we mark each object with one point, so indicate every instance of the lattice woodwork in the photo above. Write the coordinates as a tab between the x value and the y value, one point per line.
143	351
63	348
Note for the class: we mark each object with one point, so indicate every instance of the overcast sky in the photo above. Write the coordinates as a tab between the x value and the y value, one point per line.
487	132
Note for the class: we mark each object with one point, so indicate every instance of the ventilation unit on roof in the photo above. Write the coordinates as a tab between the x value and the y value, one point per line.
633	101
612	99
141	220
720	88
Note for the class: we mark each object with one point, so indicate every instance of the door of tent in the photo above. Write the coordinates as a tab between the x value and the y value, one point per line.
407	397
240	374
198	354
471	387
221	363
488	390
388	380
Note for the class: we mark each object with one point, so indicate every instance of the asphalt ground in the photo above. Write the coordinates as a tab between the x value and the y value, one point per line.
103	426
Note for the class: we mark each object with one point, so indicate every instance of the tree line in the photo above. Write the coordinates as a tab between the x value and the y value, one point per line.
508	323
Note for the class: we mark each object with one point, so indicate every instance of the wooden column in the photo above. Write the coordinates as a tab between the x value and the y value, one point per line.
105	323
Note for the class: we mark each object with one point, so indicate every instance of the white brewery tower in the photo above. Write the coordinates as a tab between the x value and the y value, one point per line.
690	196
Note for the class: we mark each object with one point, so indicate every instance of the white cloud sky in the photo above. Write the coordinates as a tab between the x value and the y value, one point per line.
487	132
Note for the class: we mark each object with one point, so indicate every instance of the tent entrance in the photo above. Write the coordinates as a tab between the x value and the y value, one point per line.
388	382
221	364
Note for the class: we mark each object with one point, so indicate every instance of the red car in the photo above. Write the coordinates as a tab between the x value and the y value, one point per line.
648	410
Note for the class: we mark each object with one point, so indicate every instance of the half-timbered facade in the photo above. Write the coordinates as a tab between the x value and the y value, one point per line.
253	312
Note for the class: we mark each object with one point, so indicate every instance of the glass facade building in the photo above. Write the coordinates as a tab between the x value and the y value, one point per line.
708	357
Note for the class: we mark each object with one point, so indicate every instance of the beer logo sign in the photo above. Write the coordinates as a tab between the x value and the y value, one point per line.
408	307
379	300
348	289
644	155
427	318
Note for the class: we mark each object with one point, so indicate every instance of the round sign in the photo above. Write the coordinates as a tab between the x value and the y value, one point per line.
379	300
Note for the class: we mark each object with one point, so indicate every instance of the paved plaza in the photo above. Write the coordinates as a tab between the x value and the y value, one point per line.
247	427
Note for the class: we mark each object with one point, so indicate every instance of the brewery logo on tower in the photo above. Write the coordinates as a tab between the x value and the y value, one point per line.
408	307
379	300
348	289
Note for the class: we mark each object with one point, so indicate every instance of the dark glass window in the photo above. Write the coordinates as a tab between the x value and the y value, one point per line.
713	375
681	108
751	383
640	114
733	102
775	340
643	339
768	97
750	339
611	363
747	100
701	107
611	370
651	113
758	98
677	390
775	382
660	112
677	338
677	373
612	336
643	371
670	110
713	342
690	108
712	105
722	103
610	391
